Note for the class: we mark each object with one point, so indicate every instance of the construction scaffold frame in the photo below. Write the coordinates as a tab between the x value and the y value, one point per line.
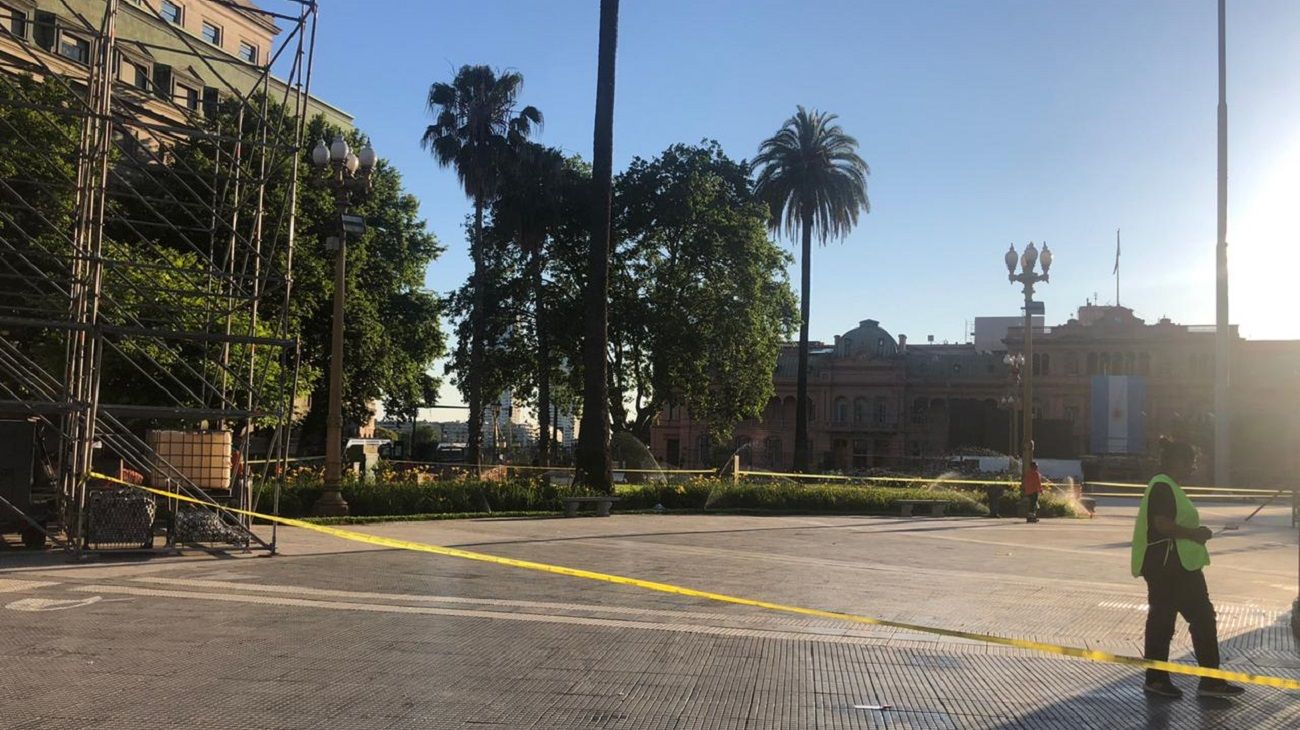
146	252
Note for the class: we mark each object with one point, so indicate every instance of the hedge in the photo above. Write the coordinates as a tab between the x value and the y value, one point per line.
473	497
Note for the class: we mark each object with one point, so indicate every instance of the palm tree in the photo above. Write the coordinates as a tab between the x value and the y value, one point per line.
529	208
594	468
813	181
475	125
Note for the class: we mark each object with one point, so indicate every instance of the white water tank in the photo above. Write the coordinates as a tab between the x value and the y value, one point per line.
203	457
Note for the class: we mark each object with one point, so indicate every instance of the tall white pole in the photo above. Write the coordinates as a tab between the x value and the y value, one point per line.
1222	335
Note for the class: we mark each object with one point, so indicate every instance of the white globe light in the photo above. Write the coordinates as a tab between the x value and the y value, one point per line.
351	162
368	156
320	154
1029	258
339	150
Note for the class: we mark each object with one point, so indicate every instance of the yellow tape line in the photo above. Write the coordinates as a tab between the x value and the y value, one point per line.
913	480
525	467
1056	649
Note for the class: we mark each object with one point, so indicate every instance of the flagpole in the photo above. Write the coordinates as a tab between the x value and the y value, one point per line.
1222	331
1117	267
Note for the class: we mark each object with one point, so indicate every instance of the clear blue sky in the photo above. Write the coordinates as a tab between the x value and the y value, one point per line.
984	123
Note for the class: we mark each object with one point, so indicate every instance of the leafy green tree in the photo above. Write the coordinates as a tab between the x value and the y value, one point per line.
475	126
162	241
38	173
538	187
508	350
814	182
699	298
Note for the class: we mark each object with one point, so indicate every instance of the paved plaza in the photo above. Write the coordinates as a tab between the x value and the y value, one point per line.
345	635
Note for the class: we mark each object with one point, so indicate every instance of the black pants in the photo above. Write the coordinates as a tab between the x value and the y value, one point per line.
1033	503
1169	593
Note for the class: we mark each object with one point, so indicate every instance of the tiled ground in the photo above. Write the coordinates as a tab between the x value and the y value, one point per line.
342	635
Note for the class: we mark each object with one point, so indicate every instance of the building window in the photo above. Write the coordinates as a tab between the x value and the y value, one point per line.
212	33
14	21
74	48
772	446
1144	364
861	454
248	51
170	12
674	455
1072	414
1071	363
880	346
703	449
134	74
841	410
882	411
918	410
859	410
1092	363
187	96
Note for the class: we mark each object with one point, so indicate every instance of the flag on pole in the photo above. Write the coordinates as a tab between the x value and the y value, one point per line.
1116	271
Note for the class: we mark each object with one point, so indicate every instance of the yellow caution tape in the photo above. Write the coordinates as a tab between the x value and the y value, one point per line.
912	480
1056	649
526	467
1130	485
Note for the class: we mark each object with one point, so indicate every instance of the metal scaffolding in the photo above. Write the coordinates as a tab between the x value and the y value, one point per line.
146	251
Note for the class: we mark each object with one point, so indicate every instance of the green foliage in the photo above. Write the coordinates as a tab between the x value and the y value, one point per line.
38	173
396	496
163	241
721	494
391	322
810	175
699	298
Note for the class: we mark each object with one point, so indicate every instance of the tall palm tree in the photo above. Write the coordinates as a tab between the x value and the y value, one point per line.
594	468
814	182
529	207
475	126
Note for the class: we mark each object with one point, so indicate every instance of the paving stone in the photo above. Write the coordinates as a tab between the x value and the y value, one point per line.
321	637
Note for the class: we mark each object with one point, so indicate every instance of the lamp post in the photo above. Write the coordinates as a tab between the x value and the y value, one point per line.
1027	277
1010	403
347	174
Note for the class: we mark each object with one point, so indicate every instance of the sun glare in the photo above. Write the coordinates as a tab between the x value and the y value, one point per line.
1264	251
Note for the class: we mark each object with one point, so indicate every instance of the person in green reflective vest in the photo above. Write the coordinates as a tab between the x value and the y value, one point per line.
1169	553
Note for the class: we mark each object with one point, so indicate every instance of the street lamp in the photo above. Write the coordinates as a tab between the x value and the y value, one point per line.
348	177
1010	403
1027	277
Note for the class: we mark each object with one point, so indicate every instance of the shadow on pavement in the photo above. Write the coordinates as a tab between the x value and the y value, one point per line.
1121	703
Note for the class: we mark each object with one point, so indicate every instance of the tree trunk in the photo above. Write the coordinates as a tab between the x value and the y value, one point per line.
801	384
594	468
478	332
543	365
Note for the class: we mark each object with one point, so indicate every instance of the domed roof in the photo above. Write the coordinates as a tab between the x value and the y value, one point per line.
867	340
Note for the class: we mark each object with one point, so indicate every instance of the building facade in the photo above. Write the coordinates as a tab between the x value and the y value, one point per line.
877	401
174	58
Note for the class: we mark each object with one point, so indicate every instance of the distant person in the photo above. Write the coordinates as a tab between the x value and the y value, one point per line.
1032	486
1169	552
